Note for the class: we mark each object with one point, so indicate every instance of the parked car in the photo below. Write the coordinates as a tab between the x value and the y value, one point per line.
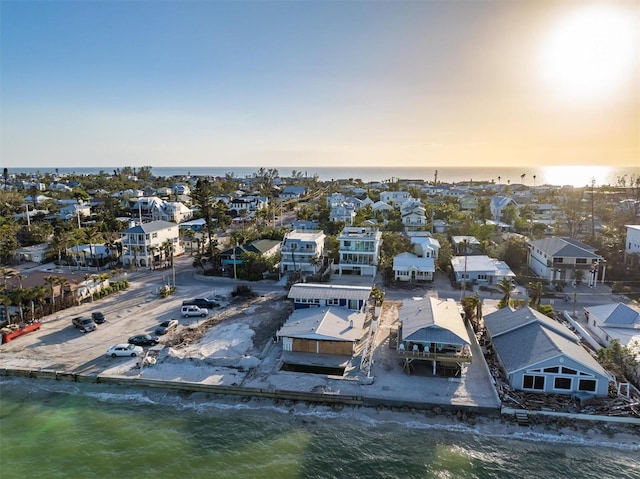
84	324
165	326
201	303
187	311
143	340
97	317
124	350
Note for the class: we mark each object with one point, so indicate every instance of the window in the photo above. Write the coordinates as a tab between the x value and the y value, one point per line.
569	371
562	383
154	235
558	260
333	302
551	370
581	260
482	276
533	382
587	385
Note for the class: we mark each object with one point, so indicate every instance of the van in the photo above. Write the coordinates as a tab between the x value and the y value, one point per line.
193	310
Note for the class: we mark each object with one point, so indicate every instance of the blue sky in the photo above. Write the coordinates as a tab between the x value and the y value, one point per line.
207	83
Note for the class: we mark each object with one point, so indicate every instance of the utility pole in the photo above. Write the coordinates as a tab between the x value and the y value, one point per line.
593	224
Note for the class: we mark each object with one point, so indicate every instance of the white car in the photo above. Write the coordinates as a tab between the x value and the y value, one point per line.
130	350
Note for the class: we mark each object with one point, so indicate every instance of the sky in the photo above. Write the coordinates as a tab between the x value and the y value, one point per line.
319	83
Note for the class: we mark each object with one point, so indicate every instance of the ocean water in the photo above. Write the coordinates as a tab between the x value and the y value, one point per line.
553	175
63	430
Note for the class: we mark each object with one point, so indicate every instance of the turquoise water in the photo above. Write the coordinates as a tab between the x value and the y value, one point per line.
51	430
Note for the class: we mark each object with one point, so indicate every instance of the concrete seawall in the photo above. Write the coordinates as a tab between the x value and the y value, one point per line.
284	395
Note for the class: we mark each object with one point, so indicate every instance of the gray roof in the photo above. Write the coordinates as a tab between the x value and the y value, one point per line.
565	247
324	324
506	320
616	314
149	227
430	320
528	341
329	291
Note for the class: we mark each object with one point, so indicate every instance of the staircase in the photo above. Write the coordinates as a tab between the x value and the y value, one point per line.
522	417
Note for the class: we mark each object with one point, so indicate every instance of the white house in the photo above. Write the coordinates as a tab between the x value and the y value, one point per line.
324	295
142	244
632	245
480	269
302	251
172	211
408	267
614	321
74	211
343	212
35	253
394	197
565	259
359	250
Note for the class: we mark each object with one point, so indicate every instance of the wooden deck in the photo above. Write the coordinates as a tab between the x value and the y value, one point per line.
464	357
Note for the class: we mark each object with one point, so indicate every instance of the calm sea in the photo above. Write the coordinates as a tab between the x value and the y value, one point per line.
65	430
552	175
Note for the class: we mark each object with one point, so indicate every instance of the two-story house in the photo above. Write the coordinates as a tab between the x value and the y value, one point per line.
565	259
359	250
632	246
142	245
302	251
394	197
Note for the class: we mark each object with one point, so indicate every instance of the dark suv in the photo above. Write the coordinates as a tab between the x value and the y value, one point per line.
201	303
97	317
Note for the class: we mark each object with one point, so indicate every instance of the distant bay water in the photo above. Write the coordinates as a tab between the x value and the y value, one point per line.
53	429
552	175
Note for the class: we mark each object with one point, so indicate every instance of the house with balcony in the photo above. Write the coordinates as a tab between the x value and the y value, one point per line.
565	259
433	332
359	251
172	211
323	295
344	212
540	355
302	251
142	244
394	198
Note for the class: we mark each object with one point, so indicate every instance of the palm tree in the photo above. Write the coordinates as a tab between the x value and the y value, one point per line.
522	177
535	294
534	180
506	286
64	283
51	282
6	302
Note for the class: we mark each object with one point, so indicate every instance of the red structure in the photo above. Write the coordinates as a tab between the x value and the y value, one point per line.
6	337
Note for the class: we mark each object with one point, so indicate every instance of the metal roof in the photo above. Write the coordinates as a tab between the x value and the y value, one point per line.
328	324
432	320
329	291
616	314
150	227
